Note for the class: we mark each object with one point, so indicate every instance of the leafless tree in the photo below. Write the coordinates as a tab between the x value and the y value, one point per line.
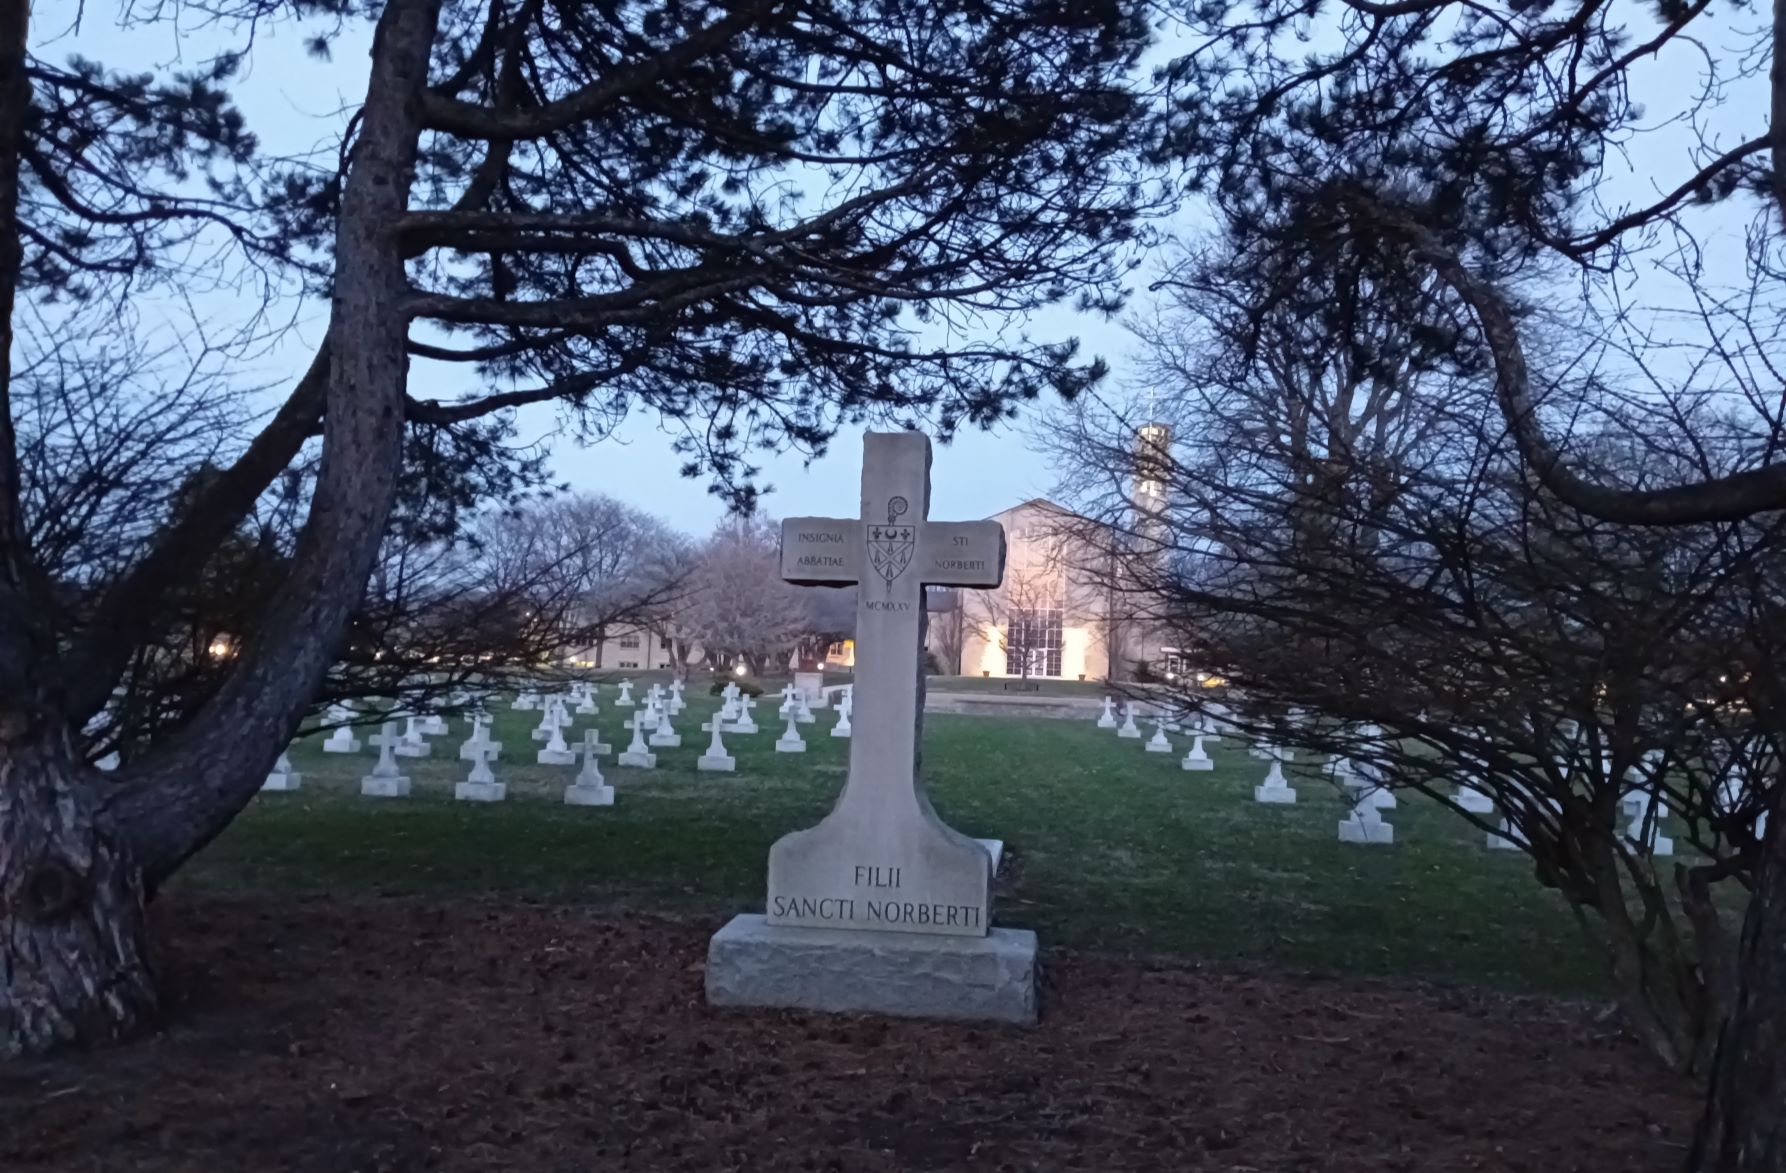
591	563
1352	545
1469	160
740	608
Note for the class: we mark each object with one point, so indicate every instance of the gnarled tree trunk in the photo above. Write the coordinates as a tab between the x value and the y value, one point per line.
78	853
73	967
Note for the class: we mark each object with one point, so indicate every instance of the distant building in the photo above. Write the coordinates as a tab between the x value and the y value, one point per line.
1055	616
626	646
1059	613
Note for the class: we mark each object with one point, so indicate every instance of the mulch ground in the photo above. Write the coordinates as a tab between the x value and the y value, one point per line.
345	1035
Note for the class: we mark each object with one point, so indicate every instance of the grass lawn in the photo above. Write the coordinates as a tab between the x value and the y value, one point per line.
1110	848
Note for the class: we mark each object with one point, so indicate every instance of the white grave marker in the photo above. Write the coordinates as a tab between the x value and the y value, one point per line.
791	741
341	740
590	788
412	744
481	785
716	757
638	753
283	776
665	735
385	780
556	752
1275	788
744	722
1364	824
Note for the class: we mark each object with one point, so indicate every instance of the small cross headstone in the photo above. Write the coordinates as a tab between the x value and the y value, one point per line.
1107	716
625	699
341	740
1275	788
481	785
1363	824
1468	797
1128	729
1370	778
480	738
556	753
791	741
1197	758
664	735
637	753
842	728
589	787
283	776
1217	722
549	720
434	725
1645	829
716	757
412	744
1158	742
743	722
802	710
385	780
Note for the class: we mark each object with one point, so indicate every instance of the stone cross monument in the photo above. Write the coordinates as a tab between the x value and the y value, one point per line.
882	906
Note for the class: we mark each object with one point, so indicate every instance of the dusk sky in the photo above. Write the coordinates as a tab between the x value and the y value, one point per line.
295	102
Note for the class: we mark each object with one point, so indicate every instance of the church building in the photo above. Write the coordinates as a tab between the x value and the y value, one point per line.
1059	613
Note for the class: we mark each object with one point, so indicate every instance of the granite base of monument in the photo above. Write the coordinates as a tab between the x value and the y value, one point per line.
751	962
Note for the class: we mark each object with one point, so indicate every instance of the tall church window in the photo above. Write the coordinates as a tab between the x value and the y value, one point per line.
1033	641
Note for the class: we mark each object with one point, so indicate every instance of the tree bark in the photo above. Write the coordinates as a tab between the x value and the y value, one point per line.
1743	1128
72	964
183	794
73	967
77	857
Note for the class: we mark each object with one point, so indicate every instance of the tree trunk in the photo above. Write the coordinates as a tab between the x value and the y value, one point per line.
73	968
1743	1128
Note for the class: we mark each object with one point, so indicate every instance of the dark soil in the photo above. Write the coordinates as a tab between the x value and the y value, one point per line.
338	1035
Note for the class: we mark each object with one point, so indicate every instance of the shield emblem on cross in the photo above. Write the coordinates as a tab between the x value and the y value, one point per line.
890	550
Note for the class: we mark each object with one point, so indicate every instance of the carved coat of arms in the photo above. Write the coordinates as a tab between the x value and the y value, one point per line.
890	547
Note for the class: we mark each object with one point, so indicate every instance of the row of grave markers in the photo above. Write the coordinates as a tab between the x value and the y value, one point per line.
655	713
1364	823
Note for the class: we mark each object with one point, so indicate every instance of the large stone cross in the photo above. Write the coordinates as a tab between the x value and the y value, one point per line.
882	859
